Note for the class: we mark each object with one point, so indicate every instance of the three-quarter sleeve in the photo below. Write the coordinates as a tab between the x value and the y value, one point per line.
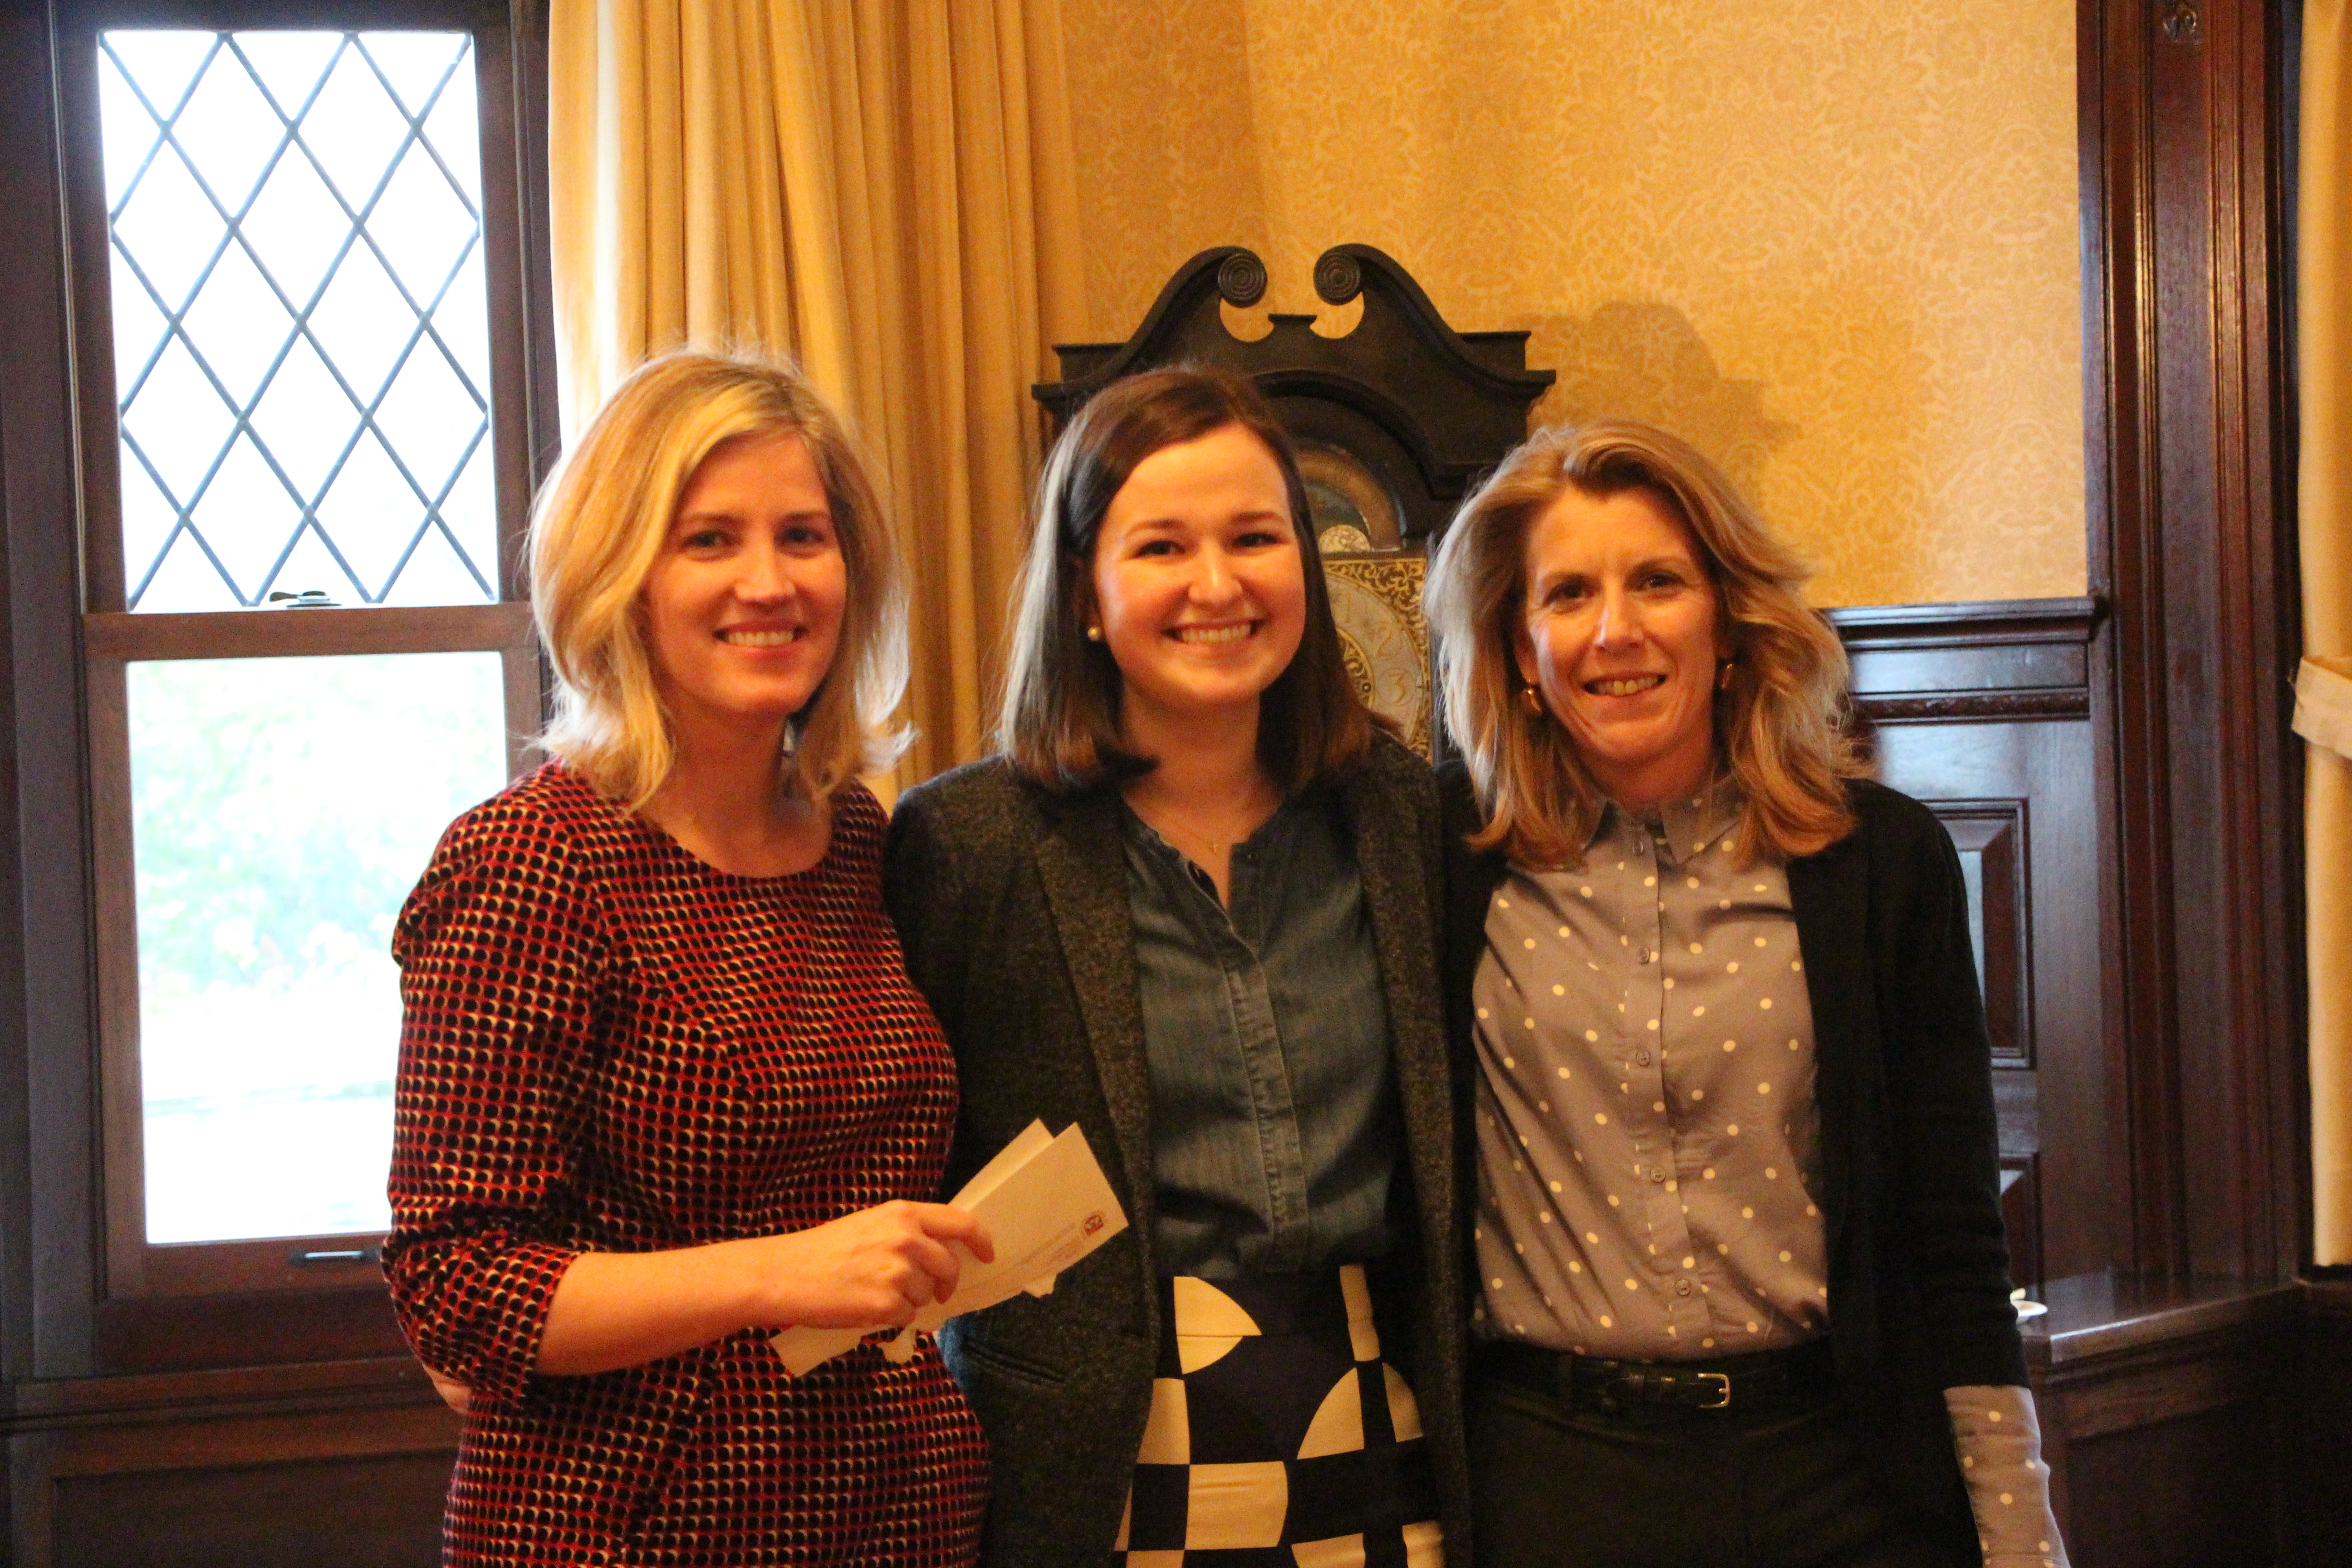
1997	1439
500	950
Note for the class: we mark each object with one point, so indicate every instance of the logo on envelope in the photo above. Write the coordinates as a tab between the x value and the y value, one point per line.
1046	1206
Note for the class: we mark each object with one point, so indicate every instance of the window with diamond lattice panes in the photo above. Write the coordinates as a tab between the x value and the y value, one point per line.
299	332
314	664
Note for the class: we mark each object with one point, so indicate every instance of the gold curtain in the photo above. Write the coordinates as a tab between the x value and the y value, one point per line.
885	191
2323	684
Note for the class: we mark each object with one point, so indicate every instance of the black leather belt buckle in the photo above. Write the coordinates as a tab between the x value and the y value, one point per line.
1655	1387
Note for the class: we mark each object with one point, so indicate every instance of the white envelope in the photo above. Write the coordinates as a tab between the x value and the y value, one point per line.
1045	1204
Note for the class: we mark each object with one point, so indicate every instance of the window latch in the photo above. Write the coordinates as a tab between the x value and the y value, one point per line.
305	1259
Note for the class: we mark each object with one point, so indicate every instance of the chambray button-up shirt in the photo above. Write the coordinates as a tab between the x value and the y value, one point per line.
1274	1126
1647	1136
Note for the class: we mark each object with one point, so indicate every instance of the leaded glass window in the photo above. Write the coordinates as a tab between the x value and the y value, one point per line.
302	658
300	347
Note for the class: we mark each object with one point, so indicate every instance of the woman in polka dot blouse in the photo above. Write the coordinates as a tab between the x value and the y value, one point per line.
664	1084
1745	1288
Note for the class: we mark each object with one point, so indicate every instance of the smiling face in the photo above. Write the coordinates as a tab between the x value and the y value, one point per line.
1620	639
743	607
1199	585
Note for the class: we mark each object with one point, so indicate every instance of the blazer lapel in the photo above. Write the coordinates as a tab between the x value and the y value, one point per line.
1830	894
1082	865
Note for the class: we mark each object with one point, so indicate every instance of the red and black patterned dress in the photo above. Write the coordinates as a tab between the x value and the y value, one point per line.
610	1045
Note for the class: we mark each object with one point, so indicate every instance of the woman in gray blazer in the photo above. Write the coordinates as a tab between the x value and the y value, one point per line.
1192	906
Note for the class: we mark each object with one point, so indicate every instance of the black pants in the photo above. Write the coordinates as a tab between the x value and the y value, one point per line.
1560	1488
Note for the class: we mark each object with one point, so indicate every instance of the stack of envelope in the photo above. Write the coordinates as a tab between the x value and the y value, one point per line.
1045	1204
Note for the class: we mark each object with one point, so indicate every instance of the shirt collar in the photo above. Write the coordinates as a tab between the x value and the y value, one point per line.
1682	828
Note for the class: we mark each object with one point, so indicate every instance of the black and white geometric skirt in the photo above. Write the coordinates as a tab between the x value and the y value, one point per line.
1278	1438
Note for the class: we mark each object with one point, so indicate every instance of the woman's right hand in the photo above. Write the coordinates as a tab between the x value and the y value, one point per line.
878	1266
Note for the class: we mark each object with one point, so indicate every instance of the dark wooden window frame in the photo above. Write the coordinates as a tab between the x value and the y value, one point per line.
2186	125
145	1307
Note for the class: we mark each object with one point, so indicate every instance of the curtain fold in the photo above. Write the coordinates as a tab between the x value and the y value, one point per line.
2324	685
885	191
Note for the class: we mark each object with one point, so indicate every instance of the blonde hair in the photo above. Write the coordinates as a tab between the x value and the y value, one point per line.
598	529
1779	727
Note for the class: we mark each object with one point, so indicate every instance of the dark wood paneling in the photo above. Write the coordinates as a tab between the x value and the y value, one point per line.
357	1486
378	1512
23	475
2166	1412
2020	1207
332	1462
2192	544
2176	1494
53	1026
2052	1100
1992	839
155	1334
1983	710
2321	1472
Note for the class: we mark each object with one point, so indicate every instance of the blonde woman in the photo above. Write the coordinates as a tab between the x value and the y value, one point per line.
664	1085
1745	1290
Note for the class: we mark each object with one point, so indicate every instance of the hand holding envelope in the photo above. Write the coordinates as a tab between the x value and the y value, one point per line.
1045	1204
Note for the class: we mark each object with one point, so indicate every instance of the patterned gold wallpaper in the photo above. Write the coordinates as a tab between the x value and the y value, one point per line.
1832	241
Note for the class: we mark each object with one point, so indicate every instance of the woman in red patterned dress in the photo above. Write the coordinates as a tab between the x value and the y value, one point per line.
664	1086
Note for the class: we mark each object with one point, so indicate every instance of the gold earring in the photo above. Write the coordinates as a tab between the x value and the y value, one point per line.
1093	634
1532	700
1723	676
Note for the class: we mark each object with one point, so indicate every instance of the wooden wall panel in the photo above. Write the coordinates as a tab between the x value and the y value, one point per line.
2174	1494
2320	1472
2167	1417
381	1512
359	1485
1983	711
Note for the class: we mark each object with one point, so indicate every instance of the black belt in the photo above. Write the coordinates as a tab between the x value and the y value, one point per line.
1767	1383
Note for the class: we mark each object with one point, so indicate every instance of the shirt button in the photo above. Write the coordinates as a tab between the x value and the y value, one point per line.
1656	1174
1642	1058
1682	1286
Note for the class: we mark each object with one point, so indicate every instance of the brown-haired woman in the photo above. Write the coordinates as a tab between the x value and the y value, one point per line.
663	1087
1190	908
1745	1295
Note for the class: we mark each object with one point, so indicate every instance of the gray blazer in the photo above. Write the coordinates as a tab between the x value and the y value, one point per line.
1011	904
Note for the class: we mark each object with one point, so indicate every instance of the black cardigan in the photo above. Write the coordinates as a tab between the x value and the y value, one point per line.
1011	903
1910	1171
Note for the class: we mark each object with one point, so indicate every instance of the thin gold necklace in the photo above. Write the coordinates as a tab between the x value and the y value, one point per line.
1216	846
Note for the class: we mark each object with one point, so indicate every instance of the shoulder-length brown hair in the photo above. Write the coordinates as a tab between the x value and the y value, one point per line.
1059	719
1780	726
599	526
